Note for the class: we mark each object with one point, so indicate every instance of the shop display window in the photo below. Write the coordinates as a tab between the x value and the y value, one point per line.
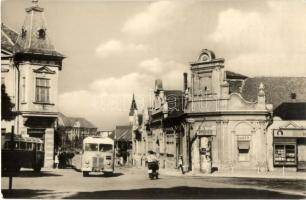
284	154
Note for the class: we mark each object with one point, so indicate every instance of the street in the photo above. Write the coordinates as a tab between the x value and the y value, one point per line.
134	183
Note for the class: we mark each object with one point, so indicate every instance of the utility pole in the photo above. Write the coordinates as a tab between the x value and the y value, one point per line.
11	162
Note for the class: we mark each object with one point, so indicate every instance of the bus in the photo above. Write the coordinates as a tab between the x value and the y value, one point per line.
98	155
28	152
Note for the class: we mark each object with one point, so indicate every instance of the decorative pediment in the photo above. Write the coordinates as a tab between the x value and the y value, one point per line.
236	102
45	70
290	125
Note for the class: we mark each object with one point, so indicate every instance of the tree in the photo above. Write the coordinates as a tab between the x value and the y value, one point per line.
7	106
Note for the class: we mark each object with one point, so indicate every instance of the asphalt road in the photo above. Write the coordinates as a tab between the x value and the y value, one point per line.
134	183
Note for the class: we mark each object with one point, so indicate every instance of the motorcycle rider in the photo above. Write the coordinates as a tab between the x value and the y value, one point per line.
152	161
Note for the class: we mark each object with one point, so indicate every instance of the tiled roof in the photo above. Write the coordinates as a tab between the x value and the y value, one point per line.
234	75
123	133
291	111
277	89
8	38
70	122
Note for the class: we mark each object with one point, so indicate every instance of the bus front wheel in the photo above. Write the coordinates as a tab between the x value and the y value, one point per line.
85	174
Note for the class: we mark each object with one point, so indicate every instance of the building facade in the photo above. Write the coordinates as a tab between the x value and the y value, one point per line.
72	130
287	133
225	131
30	69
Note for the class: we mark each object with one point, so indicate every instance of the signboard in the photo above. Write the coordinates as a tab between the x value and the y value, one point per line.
210	130
289	133
243	137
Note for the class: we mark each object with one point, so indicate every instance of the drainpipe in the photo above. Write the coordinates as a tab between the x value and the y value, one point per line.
18	98
270	122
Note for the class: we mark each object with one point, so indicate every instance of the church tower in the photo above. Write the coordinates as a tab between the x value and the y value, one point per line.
38	65
133	110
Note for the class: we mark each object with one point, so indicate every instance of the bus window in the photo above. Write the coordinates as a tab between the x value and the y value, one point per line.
38	147
91	147
29	146
23	145
105	147
6	145
16	145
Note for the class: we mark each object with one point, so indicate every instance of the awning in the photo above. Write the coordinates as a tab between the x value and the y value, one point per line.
243	145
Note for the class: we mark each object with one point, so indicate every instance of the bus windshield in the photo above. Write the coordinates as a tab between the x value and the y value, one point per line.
91	147
105	147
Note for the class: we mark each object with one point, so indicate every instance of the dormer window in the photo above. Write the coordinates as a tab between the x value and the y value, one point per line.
41	33
293	95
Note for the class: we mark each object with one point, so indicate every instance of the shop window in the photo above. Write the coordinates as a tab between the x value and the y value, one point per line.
243	151
284	154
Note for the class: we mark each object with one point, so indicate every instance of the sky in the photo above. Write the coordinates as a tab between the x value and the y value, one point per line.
117	48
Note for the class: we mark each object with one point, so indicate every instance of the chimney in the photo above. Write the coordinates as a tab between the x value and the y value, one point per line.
185	82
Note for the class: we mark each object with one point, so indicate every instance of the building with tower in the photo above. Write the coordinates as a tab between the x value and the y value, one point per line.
225	130
30	70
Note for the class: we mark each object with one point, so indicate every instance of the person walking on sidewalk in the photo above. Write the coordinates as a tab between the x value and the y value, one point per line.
56	160
180	164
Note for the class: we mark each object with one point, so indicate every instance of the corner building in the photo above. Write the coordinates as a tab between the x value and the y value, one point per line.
225	131
31	76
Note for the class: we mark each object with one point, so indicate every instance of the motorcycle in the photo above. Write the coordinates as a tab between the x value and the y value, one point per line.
153	170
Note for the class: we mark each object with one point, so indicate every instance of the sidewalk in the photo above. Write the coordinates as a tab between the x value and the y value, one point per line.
238	174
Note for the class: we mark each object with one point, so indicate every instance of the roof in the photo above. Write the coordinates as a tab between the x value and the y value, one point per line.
20	138
291	111
123	133
71	122
98	139
278	90
33	38
234	75
8	38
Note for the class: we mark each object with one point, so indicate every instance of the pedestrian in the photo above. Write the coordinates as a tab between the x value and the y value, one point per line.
180	164
56	160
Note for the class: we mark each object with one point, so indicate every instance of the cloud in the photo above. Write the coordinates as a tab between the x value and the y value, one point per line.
156	66
110	98
152	66
156	17
115	47
265	44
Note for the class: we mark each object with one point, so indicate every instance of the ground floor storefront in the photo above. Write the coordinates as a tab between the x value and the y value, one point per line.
289	149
